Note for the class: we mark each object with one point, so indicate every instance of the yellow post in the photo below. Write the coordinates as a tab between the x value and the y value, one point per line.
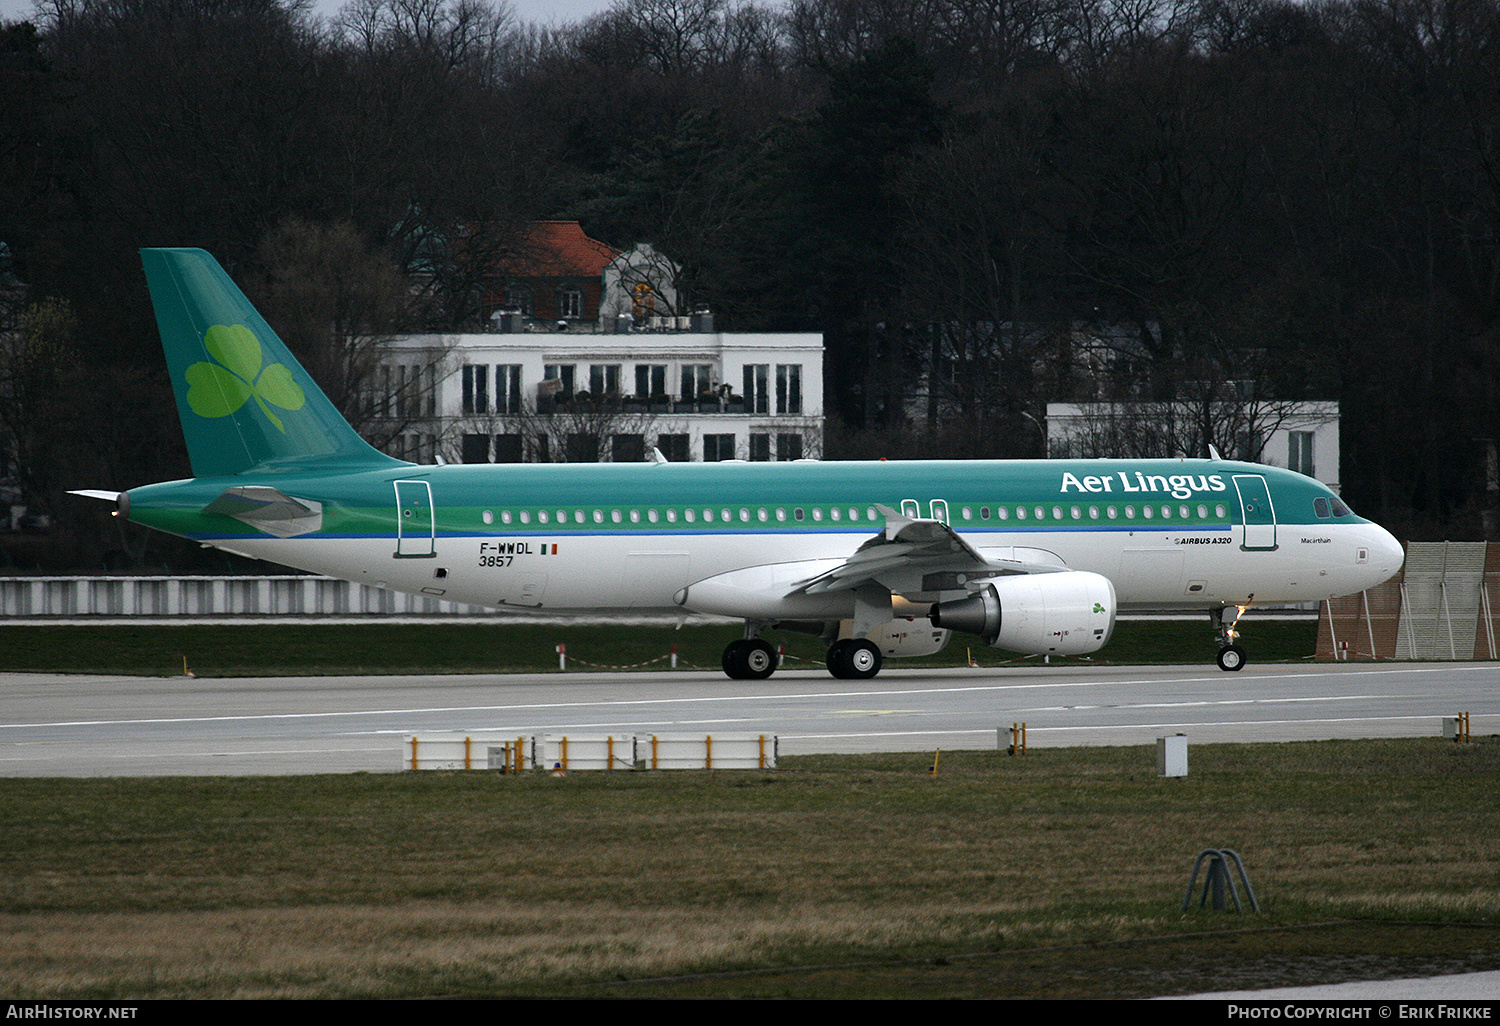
468	753
932	770
413	752
708	751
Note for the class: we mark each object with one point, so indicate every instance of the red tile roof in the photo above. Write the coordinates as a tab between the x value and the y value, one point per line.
558	249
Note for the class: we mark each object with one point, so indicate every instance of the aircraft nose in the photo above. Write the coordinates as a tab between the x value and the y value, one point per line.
1386	554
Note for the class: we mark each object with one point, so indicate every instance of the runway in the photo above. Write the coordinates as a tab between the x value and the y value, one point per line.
71	725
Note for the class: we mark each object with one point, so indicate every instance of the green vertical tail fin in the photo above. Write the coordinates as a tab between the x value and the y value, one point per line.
244	400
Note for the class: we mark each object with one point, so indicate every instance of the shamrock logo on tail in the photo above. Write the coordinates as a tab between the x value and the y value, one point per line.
219	389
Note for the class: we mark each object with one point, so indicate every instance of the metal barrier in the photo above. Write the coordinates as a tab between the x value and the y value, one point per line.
289	595
563	753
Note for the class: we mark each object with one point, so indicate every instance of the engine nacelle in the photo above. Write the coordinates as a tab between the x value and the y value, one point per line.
1066	613
906	637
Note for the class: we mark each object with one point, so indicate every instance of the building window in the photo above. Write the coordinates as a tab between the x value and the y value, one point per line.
756	384
508	449
788	388
760	448
718	447
788	447
650	380
564	373
518	298
569	304
604	379
408	394
1300	452
508	388
697	382
476	449
627	448
675	448
583	447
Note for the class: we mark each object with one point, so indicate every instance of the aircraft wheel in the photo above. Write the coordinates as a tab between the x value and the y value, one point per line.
759	660
1231	657
863	660
838	659
736	666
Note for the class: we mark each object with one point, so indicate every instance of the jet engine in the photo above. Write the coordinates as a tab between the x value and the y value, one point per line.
1070	612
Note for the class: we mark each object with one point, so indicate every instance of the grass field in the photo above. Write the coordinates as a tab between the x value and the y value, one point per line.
1057	874
270	649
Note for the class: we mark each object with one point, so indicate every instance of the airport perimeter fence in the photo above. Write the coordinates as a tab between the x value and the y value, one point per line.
288	595
1442	605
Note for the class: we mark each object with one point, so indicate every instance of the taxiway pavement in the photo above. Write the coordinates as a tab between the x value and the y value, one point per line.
78	725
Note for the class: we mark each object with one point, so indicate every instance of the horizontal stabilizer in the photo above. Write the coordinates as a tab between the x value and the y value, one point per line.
269	510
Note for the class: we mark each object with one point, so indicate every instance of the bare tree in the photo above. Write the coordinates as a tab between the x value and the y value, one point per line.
339	302
1237	426
575	429
39	371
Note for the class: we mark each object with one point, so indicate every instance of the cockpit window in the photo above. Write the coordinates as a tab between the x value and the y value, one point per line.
1320	507
1331	506
1339	509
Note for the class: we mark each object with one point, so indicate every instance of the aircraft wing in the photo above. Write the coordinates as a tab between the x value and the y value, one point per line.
913	555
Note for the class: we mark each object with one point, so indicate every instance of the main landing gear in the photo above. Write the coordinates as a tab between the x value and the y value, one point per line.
853	659
754	659
749	659
1231	656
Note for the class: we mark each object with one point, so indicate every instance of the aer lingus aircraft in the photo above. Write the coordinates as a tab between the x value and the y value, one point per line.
880	558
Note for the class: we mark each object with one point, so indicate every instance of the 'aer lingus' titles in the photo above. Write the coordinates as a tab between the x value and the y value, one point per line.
1179	486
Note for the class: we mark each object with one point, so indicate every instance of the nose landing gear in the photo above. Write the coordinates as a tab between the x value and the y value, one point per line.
1231	655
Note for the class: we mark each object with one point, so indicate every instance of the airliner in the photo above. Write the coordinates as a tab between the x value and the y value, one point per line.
877	558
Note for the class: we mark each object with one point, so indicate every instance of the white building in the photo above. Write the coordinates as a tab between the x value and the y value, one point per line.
1301	436
583	397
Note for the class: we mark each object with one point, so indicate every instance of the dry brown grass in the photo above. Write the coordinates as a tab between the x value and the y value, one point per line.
411	885
378	951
